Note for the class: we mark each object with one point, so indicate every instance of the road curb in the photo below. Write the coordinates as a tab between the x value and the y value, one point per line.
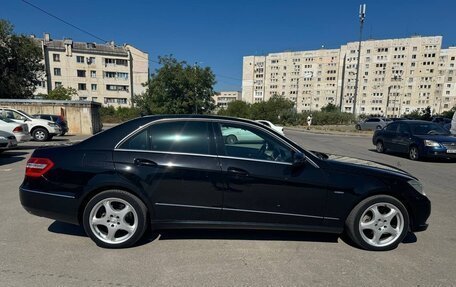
334	133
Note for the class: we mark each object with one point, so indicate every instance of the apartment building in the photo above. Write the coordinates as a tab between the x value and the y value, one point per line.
222	99
396	76
105	73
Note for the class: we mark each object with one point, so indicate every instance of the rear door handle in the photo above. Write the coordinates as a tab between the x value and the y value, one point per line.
144	162
237	171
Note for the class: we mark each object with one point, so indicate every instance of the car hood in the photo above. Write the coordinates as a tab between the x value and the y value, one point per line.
438	138
364	166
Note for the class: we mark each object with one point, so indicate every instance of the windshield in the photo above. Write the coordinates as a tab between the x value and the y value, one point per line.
24	113
428	129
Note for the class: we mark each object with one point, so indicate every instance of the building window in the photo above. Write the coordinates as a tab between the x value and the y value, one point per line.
120	62
94	87
122	101
94	99
57	84
83	98
81	73
80	59
117	88
82	87
93	74
57	72
91	60
56	57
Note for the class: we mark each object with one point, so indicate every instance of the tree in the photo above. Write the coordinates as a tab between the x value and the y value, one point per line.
61	93
238	109
178	88
330	108
20	63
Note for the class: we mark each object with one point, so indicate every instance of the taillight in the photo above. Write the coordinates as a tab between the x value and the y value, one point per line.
18	129
36	166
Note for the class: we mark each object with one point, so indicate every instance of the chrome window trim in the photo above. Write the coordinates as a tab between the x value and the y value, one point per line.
48	193
259	126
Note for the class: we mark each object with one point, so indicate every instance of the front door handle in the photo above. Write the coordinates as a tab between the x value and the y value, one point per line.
144	162
237	171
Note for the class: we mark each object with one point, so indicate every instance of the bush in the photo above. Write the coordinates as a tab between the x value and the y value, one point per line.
113	115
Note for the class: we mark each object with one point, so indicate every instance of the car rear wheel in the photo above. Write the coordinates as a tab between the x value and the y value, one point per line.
414	153
380	147
115	219
231	139
378	223
40	134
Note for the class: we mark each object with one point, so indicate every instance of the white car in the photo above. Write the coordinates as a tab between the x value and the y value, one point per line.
20	131
41	130
7	141
278	129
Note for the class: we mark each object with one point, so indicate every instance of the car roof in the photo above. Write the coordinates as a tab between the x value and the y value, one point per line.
416	122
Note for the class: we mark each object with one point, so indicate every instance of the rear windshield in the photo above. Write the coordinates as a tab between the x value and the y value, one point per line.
428	129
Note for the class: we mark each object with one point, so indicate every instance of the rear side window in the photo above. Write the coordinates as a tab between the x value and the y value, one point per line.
391	127
184	137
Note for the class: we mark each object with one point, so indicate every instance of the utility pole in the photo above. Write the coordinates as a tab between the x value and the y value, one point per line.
362	15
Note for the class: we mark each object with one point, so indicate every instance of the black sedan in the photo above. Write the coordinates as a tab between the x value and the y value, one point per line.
179	172
418	139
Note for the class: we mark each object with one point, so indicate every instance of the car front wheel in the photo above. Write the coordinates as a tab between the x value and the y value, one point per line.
115	219
380	147
378	223
414	153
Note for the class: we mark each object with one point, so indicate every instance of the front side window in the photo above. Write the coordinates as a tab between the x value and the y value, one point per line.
392	127
180	136
250	143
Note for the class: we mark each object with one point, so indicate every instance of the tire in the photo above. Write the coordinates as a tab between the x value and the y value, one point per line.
117	227
231	139
379	147
40	134
358	127
414	153
370	231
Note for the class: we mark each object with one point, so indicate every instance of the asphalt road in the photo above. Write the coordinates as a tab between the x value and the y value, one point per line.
41	252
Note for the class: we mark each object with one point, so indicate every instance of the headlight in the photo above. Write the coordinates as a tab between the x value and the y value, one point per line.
2	138
417	186
51	124
431	143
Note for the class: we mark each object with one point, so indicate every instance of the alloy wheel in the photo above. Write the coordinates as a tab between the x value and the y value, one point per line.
113	220
413	153
379	147
39	135
381	224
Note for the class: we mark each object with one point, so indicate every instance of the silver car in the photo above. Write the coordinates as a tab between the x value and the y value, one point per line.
7	141
374	123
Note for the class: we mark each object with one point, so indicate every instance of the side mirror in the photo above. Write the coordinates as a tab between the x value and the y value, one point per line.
299	159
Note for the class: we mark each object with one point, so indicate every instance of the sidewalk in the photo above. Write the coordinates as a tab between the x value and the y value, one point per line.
329	132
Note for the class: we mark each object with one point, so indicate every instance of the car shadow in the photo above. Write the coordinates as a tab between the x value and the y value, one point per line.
9	157
404	156
208	234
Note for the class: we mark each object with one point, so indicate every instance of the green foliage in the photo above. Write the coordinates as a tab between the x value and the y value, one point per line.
281	111
449	114
427	114
20	63
113	115
61	93
178	88
330	108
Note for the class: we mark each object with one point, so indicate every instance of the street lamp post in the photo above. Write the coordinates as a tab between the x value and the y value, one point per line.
362	16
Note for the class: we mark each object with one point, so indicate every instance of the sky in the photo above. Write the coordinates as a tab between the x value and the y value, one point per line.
219	33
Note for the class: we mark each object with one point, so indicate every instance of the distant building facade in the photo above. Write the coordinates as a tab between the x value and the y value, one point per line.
222	99
397	76
104	73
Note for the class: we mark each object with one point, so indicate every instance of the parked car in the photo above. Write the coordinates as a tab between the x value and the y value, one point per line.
20	131
234	135
59	120
441	121
279	129
376	123
41	130
419	139
7	141
179	172
397	119
453	125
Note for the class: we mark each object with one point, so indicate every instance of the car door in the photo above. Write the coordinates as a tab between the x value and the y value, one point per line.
174	162
403	139
262	185
390	136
